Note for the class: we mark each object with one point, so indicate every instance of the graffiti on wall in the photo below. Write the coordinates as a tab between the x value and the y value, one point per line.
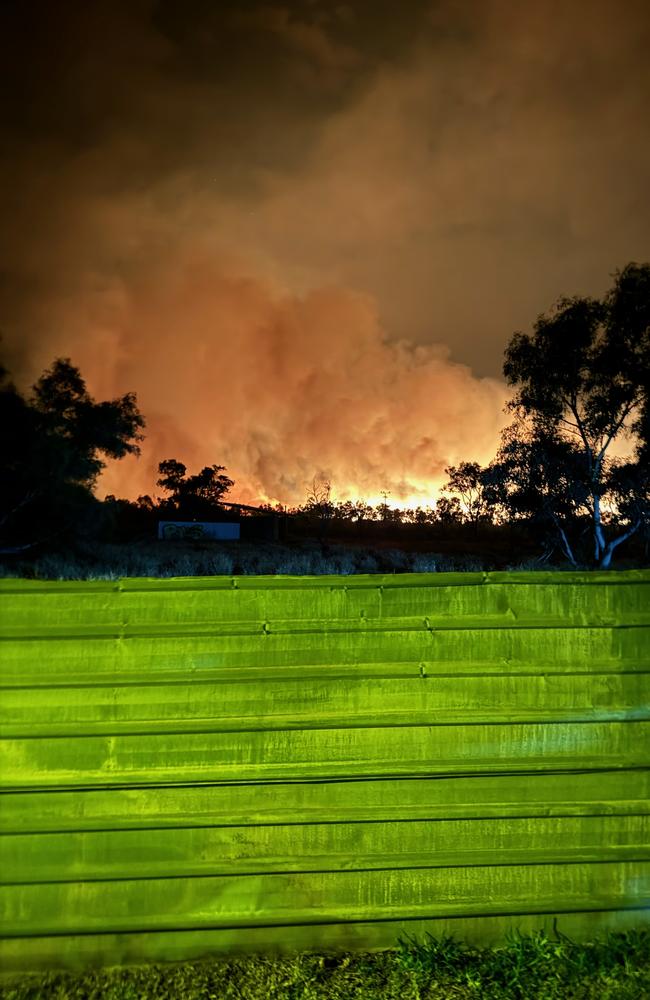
185	531
198	530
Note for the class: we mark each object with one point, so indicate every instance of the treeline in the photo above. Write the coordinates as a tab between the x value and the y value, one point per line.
581	380
203	496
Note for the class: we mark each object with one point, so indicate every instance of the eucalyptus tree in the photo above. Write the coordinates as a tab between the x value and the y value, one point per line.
583	382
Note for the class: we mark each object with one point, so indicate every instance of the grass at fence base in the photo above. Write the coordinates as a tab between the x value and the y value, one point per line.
527	967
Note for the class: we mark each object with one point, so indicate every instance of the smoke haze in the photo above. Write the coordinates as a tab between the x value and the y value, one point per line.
303	233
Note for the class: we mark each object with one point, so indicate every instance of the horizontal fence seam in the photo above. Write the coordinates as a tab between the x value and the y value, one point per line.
234	679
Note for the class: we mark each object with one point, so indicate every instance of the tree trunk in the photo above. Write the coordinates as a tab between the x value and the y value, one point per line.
599	538
606	560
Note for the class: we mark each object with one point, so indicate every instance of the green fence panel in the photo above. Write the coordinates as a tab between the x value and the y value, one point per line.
218	765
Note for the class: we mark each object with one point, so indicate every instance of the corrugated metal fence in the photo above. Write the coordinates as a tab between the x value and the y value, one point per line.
221	765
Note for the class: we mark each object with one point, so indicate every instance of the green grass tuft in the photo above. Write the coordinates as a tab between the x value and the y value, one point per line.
527	967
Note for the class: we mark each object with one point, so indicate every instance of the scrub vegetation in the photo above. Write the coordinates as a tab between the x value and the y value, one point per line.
350	549
178	559
526	967
173	559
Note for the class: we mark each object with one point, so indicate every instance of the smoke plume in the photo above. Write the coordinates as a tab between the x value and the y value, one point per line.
304	233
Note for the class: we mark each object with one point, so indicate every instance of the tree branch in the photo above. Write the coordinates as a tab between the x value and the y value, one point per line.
565	541
21	503
617	427
574	427
607	556
573	406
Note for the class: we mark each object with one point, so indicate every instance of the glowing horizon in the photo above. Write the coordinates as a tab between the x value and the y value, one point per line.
411	502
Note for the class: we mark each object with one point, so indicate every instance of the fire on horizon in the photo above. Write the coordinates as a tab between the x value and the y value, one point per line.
304	231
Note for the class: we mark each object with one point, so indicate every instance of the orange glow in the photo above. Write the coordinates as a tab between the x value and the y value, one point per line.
280	388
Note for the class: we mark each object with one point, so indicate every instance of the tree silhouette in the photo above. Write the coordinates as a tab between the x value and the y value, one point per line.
319	503
448	511
50	448
193	496
465	480
539	481
583	380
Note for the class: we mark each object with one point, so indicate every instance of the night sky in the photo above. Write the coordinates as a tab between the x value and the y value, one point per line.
303	232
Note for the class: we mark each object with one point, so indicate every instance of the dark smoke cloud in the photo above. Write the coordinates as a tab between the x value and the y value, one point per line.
269	219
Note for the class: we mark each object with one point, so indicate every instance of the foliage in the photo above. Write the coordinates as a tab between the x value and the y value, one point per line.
319	499
107	560
540	481
419	515
191	496
125	521
51	446
320	505
449	511
83	427
465	480
583	380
